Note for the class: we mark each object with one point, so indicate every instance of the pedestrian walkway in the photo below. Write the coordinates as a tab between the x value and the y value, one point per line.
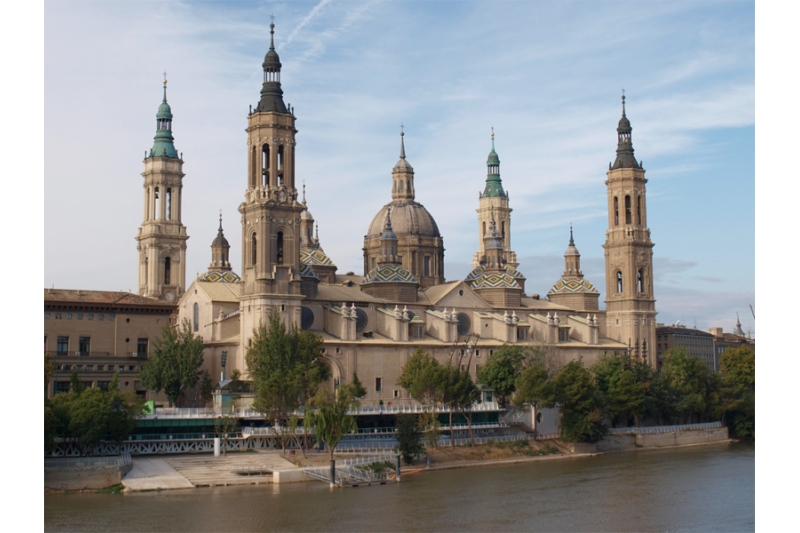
153	474
234	469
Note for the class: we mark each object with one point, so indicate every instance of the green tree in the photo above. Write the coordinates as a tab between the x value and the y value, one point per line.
75	383
124	411
534	388
175	364
738	390
206	387
330	417
226	424
287	368
502	370
693	385
627	387
424	380
459	393
359	391
409	437
581	404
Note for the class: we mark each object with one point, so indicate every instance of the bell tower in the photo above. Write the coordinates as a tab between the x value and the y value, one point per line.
162	237
630	304
270	212
493	206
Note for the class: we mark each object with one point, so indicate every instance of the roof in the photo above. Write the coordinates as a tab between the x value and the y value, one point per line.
390	274
339	293
115	298
407	217
567	286
220	292
671	330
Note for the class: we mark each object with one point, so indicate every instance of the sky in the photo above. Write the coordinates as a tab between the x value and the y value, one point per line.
547	76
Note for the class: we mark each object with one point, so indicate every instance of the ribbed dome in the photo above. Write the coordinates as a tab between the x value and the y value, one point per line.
272	63
220	241
493	158
624	123
306	215
408	218
164	111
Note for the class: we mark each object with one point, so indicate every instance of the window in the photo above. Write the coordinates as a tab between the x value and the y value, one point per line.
619	282
477	353
69	316
100	317
638	209
83	345
279	248
522	334
489	396
616	211
111	317
253	249
378	383
141	347
196	317
121	368
47	315
628	209
169	204
62	346
90	367
61	386
491	353
102	385
396	393
80	316
90	316
167	269
640	281
427	265
563	334
416	332
58	316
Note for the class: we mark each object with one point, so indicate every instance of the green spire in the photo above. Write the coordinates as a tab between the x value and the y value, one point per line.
494	186
162	142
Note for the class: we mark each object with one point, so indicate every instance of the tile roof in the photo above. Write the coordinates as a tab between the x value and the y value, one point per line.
119	298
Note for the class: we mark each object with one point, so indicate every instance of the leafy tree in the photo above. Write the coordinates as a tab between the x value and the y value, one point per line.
581	404
236	374
738	390
459	392
175	364
124	410
694	386
75	383
409	437
206	387
501	371
287	368
424	380
359	391
89	417
331	419
534	388
626	385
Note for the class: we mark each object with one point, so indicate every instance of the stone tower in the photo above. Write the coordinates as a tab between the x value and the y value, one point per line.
573	290
270	212
162	237
494	206
630	304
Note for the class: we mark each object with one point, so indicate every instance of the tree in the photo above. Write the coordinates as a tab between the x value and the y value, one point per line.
581	404
409	437
693	385
330	417
226	423
423	378
626	385
359	391
287	368
206	387
175	364
738	390
75	384
49	370
459	392
124	410
501	371
534	388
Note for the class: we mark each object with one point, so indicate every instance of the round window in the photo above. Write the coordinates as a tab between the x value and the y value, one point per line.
464	323
361	320
306	318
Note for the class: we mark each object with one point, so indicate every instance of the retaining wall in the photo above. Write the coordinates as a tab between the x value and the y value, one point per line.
85	478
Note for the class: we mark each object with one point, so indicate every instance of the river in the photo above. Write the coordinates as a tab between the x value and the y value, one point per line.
704	488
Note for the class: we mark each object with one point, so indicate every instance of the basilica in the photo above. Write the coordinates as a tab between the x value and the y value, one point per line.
371	323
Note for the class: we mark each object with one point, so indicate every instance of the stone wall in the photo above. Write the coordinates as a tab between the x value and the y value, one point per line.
84	478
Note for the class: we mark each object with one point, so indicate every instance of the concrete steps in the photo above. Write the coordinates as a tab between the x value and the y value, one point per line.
209	471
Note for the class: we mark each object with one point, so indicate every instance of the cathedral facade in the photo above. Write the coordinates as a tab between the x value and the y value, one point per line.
372	323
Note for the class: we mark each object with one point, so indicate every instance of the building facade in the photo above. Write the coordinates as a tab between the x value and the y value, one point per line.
698	344
372	323
99	333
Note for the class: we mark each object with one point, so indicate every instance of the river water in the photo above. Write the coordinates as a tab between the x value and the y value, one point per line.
704	488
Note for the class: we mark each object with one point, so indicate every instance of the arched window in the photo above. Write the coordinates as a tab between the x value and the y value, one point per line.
408	186
196	317
619	282
253	250
167	268
280	165
640	280
628	209
146	269
155	204
638	209
169	204
265	166
503	229
402	186
279	248
484	230
616	211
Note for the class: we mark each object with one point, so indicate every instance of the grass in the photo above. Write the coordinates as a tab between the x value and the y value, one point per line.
381	466
114	489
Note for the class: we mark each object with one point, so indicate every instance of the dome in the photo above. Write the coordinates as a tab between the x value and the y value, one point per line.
389	274
624	123
408	218
306	215
220	241
272	63
164	111
572	286
493	159
402	166
571	251
314	256
218	276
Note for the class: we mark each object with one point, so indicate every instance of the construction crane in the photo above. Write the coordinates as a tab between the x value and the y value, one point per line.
751	310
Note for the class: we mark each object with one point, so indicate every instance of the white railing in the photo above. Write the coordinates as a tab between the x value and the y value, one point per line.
663	429
485	440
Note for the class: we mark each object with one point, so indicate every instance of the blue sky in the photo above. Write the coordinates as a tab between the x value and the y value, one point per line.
546	75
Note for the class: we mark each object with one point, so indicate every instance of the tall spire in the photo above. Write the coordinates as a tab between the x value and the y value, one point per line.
163	141
625	158
271	92
220	251
402	143
494	186
571	241
402	174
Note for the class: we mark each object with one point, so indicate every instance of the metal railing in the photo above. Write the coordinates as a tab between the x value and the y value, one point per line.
87	462
663	429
